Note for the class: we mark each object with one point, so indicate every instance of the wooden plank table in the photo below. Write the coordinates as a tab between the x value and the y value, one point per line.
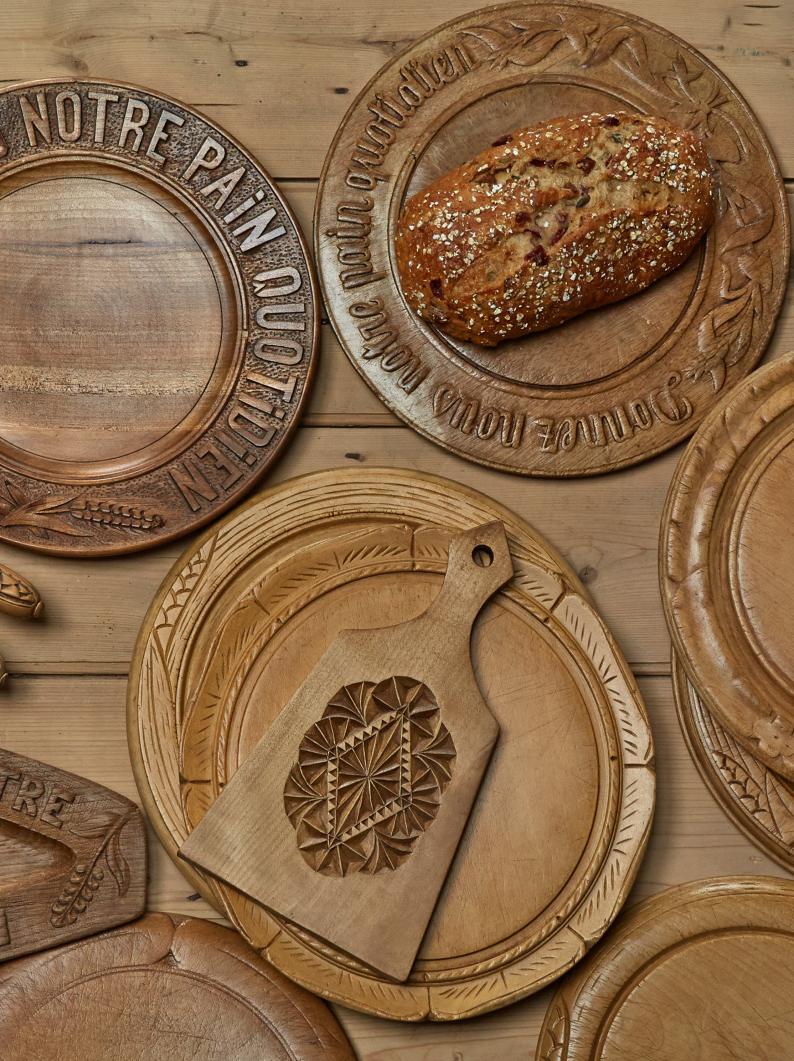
279	77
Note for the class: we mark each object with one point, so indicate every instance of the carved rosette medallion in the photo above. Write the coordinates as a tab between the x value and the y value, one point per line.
370	777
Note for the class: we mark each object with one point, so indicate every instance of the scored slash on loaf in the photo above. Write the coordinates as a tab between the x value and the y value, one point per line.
347	815
552	221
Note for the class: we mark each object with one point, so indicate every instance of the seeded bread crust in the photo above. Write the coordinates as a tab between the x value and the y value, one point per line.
552	221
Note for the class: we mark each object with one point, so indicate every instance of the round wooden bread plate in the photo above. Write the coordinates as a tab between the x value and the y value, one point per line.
617	385
162	987
704	970
727	564
159	318
758	800
562	819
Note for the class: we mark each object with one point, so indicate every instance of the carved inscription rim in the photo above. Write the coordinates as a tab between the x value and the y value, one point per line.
546	589
258	257
756	799
627	416
700	586
577	1016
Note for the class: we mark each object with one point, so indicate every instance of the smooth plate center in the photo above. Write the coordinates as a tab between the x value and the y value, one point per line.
721	997
110	318
765	563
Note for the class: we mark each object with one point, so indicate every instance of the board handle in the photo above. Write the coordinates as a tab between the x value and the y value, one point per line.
478	563
18	597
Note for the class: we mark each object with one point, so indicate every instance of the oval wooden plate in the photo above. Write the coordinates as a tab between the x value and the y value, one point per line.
758	800
159	319
727	564
163	987
617	385
704	970
560	825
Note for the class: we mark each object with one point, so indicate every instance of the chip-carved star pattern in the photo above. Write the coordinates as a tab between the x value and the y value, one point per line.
369	777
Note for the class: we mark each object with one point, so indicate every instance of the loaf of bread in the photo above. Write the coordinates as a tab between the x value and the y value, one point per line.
551	221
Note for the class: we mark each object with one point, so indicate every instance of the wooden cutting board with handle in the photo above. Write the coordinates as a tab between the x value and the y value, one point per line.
72	857
347	815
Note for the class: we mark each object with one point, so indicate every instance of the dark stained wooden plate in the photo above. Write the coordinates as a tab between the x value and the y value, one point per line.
72	857
165	988
158	318
727	564
617	385
704	970
561	821
758	800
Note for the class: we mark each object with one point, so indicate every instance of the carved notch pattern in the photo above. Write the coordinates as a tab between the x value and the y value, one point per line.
369	777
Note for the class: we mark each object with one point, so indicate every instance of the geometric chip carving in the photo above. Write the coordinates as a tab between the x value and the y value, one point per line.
369	777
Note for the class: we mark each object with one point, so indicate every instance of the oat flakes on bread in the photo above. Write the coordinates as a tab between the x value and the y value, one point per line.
552	221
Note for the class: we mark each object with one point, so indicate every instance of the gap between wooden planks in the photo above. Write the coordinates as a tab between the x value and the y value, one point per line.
280	76
77	723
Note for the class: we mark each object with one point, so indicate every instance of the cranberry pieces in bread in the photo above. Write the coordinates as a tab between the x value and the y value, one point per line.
552	221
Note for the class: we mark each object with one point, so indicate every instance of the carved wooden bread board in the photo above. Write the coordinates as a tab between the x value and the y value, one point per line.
704	970
758	800
727	564
563	815
159	318
170	988
617	385
72	857
347	815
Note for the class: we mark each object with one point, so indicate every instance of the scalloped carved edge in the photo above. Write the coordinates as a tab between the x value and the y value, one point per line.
157	710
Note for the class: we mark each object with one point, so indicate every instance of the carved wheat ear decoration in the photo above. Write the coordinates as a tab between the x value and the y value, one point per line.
87	878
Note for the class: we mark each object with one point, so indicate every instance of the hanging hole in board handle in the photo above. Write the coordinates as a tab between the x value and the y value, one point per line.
482	555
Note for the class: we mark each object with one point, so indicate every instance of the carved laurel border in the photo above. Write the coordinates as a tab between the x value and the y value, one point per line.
759	801
705	620
546	586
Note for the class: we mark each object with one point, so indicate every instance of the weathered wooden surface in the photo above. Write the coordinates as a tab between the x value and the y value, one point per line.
285	105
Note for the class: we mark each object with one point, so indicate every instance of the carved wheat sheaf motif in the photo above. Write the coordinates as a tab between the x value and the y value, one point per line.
369	777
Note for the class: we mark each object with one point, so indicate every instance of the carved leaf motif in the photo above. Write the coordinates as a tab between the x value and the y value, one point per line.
86	878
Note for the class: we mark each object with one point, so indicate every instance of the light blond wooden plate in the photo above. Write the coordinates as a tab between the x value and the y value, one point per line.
165	988
727	564
158	318
346	816
704	970
758	800
562	819
615	386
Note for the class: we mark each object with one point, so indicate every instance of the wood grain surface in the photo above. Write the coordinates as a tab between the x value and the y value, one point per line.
158	318
703	970
315	565
412	737
280	78
165	987
72	857
726	563
655	363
